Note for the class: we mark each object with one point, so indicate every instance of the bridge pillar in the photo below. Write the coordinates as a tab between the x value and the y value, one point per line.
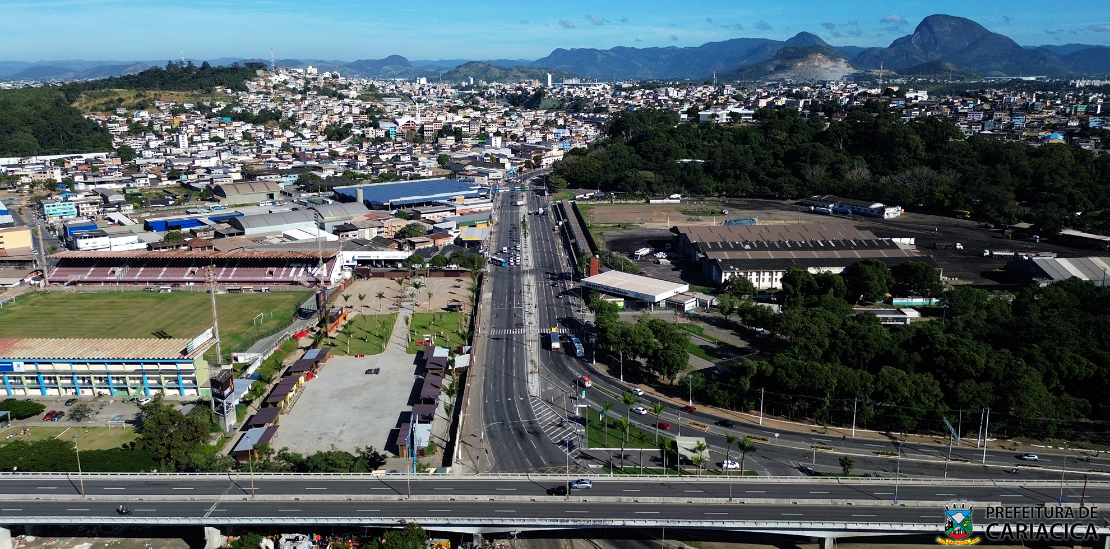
5	538
213	538
477	539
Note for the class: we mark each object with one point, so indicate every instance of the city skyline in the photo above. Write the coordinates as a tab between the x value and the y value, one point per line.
349	30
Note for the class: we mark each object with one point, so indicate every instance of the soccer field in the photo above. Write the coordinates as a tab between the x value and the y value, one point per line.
142	314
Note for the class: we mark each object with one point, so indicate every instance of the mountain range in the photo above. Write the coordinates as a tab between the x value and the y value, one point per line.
940	45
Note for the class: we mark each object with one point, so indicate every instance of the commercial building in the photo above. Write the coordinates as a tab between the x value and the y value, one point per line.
185	222
247	193
1046	270
641	288
332	215
409	193
54	211
851	206
763	253
45	367
14	238
277	222
6	219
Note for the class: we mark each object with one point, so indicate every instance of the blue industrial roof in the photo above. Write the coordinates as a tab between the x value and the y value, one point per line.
412	192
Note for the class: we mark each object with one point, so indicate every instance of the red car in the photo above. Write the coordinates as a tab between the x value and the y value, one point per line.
689	408
664	425
50	415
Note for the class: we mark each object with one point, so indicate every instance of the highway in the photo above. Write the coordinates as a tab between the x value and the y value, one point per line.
513	434
533	488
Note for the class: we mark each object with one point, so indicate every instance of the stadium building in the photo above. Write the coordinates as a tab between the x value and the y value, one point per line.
186	267
406	194
48	367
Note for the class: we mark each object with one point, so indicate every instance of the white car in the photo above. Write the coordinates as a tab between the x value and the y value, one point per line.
640	410
1029	457
144	401
636	391
730	464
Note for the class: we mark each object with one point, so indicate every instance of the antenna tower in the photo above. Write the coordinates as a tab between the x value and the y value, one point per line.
182	56
271	59
880	77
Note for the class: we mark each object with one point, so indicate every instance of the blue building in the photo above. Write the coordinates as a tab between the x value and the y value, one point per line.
54	211
408	193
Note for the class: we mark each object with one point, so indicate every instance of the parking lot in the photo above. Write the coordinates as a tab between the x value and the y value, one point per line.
347	408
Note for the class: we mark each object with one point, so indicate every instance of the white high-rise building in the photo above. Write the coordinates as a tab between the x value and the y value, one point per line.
549	80
182	140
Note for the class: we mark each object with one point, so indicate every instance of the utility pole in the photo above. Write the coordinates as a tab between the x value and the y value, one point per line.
1063	468
44	265
855	403
761	406
210	278
986	427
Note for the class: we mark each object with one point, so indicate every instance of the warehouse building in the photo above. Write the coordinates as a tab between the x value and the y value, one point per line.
847	206
47	367
405	194
331	216
650	291
277	222
247	193
1046	270
763	253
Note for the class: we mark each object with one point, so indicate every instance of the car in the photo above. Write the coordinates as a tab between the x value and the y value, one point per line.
1029	457
581	484
58	416
663	425
636	391
71	402
640	410
729	464
724	423
557	491
585	381
373	370
49	415
144	401
689	408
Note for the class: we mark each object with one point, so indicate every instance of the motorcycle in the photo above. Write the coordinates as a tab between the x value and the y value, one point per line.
123	510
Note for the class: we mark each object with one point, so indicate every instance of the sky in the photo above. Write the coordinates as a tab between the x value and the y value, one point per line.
491	29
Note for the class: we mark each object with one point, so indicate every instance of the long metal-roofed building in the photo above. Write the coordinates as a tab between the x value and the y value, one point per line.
409	193
45	367
640	288
276	222
265	267
1046	270
763	253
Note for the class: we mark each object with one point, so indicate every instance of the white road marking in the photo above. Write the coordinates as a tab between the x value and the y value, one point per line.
716	513
439	510
442	488
289	510
945	494
755	491
630	490
791	514
503	511
647	512
884	493
863	515
506	489
22	509
381	488
182	488
115	488
368	510
76	509
694	491
577	511
1012	495
818	492
315	488
48	487
873	445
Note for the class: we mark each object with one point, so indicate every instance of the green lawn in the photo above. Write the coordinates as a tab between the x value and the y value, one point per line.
140	314
698	351
443	326
596	433
368	336
89	438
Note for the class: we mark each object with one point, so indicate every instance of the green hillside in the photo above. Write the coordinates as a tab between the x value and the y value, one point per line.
37	121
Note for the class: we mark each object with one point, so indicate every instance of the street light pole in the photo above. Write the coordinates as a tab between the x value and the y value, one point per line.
1063	468
898	471
80	478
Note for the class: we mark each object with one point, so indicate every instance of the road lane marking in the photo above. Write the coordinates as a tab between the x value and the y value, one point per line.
884	493
48	487
818	492
182	488
873	445
863	515
115	488
368	510
439	510
381	488
442	488
76	509
507	489
694	491
630	490
289	510
716	513
1012	495
755	491
315	488
647	512
147	510
791	514
22	509
945	494
504	511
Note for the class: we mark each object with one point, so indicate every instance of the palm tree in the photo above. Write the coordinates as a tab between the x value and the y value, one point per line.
623	424
380	296
657	408
641	437
699	452
605	407
401	286
416	285
629	400
745	445
360	304
347	332
729	441
664	449
346	298
430	294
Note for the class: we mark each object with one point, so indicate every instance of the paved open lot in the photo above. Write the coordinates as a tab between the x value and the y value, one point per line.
347	408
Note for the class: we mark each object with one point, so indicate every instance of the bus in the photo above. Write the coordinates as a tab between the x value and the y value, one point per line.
217	207
499	261
579	351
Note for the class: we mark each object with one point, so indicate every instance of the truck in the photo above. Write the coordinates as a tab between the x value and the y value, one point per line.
675	196
947	246
554	339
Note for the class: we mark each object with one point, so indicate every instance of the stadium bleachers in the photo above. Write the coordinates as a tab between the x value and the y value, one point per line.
154	268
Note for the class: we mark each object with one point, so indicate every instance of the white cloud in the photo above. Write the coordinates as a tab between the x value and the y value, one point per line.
674	38
567	23
893	18
829	26
594	20
763	25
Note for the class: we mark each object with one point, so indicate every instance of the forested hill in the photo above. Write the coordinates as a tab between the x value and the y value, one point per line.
37	121
868	156
175	76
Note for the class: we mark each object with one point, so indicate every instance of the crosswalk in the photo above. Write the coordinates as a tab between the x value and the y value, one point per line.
554	425
515	331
